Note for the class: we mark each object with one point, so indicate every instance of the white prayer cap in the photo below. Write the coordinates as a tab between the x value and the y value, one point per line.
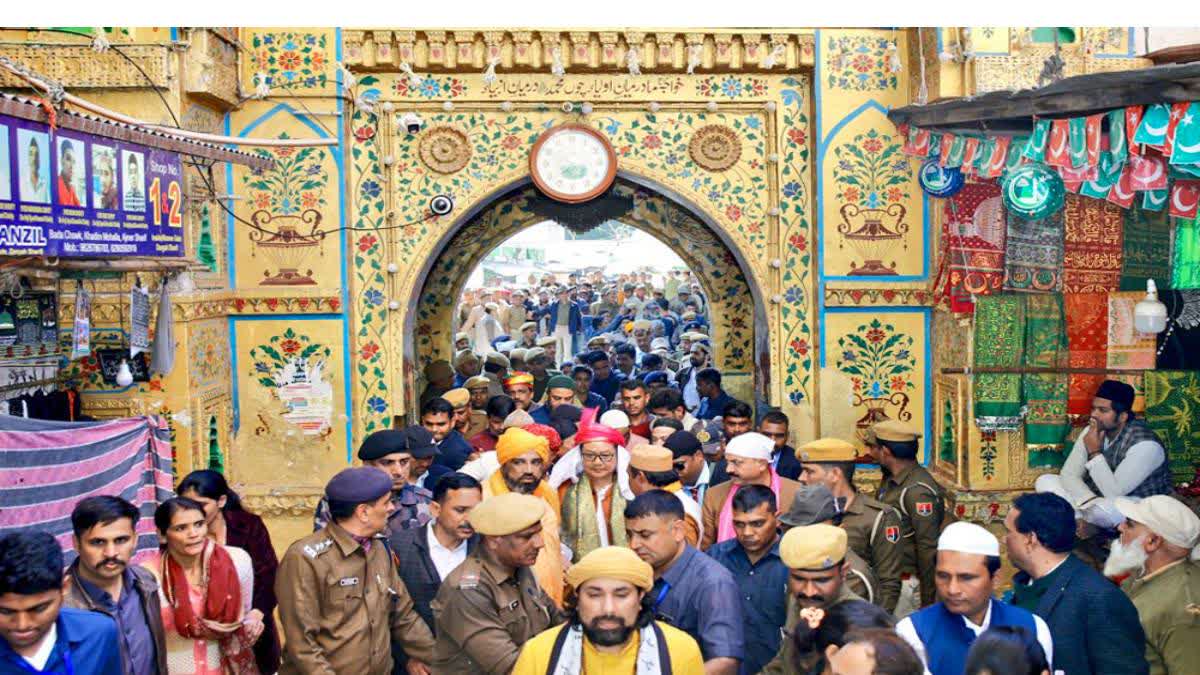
752	445
659	343
1166	516
968	538
615	419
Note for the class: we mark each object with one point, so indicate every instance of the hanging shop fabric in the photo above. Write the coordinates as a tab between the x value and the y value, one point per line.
1071	234
86	195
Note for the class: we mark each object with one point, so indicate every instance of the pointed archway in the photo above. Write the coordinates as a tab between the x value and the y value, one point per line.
739	329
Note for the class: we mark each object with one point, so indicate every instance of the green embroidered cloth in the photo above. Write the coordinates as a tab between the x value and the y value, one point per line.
1146	249
1185	260
1173	412
999	343
1045	394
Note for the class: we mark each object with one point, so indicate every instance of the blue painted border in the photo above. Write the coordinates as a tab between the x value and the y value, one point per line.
822	146
338	152
928	312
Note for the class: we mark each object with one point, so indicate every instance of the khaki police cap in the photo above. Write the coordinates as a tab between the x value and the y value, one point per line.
534	353
542	342
496	359
458	397
506	514
891	430
527	325
477	382
813	547
827	450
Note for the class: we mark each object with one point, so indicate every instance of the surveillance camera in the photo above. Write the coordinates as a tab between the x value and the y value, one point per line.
412	122
441	205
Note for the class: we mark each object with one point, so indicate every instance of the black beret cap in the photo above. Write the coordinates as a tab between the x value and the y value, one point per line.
358	485
420	442
382	443
682	443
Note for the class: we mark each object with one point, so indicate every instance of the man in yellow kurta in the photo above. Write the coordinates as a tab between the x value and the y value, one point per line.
608	630
523	457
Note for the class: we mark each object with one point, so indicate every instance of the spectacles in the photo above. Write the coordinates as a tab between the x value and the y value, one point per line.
775	435
603	459
679	466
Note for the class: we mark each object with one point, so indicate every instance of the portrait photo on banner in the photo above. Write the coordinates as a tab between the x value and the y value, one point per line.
133	180
104	177
33	165
5	166
72	170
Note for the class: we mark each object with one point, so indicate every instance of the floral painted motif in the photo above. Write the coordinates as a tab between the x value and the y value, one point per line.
297	181
730	86
431	86
880	362
292	60
794	205
870	171
208	354
294	368
858	63
371	334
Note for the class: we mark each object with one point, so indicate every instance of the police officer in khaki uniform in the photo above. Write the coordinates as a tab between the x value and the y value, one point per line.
341	601
816	560
491	604
873	528
908	487
815	505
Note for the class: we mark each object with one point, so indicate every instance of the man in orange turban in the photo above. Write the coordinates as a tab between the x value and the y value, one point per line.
519	386
523	458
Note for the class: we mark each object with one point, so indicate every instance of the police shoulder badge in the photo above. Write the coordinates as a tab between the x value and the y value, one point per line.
924	508
314	550
469	580
892	533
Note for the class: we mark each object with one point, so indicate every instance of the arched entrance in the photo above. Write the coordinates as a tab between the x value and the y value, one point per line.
739	330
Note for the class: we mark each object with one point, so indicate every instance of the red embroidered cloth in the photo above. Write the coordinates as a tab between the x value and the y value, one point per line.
974	235
1087	347
1092	245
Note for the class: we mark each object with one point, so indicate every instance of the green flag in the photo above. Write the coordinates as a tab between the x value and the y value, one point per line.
1077	137
1154	200
1035	148
1153	129
1187	137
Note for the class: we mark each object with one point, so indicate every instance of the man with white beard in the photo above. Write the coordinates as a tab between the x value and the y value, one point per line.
1159	545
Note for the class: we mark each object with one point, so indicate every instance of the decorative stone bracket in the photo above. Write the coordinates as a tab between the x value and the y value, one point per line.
580	51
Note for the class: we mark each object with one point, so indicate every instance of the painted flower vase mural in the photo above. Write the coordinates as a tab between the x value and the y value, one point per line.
287	217
872	180
880	363
292	367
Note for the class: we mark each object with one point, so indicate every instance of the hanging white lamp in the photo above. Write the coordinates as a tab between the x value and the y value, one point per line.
1150	314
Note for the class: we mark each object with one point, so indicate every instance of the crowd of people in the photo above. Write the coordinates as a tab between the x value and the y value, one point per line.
621	515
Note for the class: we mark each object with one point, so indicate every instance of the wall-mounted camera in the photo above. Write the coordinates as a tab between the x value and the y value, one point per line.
412	122
441	205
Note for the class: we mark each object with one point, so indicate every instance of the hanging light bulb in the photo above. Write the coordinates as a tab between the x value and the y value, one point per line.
124	375
1150	315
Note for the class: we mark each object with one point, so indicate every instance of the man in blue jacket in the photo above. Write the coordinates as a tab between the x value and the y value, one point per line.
1094	624
38	634
968	558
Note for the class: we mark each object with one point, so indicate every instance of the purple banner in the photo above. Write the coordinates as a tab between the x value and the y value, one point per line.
76	195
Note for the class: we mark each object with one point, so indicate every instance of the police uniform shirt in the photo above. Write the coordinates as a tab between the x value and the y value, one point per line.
484	613
341	606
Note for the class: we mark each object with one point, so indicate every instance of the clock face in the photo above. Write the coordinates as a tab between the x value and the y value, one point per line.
573	163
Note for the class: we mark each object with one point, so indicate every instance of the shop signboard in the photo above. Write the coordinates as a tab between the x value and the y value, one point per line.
72	194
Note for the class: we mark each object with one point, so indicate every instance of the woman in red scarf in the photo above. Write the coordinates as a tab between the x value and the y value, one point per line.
205	590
